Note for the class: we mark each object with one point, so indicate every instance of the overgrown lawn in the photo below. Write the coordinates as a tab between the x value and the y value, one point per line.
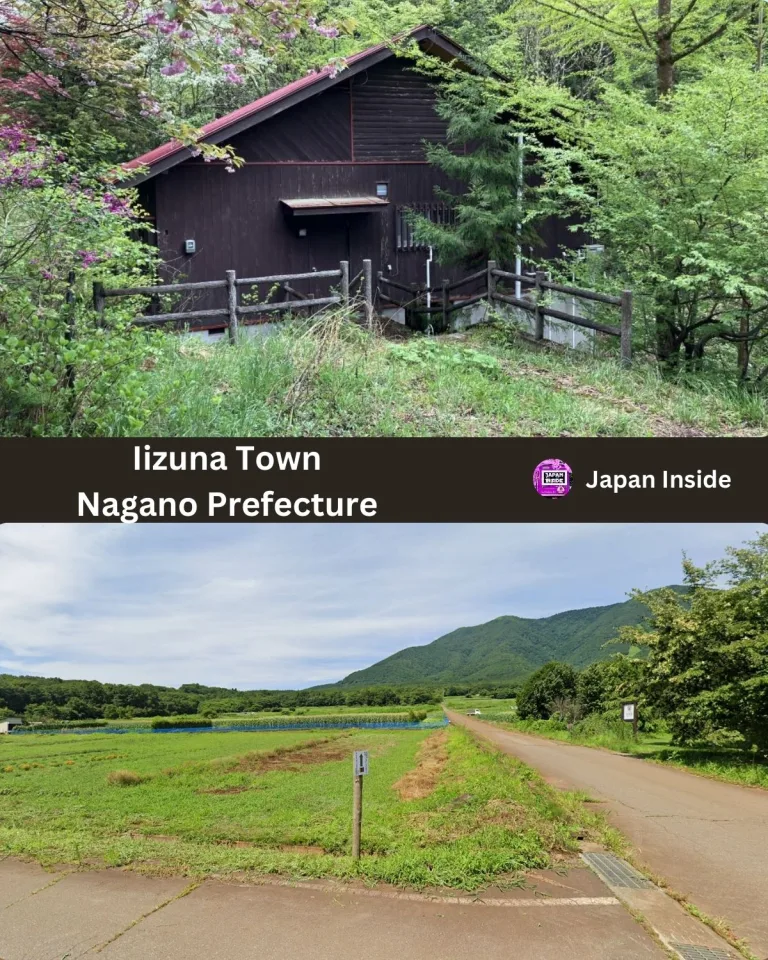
334	379
279	803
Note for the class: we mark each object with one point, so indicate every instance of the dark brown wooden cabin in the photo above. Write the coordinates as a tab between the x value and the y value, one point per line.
331	162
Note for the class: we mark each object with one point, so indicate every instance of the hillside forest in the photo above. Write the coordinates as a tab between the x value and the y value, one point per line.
696	664
644	123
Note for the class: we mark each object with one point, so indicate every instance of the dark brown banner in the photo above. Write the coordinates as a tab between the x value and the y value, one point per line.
383	480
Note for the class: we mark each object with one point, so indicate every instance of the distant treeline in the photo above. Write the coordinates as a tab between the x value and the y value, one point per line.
46	699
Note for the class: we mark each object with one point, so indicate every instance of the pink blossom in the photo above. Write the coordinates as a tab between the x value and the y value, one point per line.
178	66
230	73
87	258
116	205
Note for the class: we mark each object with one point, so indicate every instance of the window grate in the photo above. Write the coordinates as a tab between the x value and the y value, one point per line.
440	213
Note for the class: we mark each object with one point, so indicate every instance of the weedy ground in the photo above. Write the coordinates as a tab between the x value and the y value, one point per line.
440	809
332	378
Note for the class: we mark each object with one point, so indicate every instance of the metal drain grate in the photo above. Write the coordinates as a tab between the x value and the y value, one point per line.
691	951
617	872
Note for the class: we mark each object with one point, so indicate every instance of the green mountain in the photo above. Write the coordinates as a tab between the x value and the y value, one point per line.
507	649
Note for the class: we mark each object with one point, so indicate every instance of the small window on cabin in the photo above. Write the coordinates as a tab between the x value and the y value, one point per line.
382	190
405	239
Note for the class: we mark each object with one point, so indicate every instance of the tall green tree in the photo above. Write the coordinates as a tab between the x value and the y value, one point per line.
678	196
553	682
490	218
707	670
648	37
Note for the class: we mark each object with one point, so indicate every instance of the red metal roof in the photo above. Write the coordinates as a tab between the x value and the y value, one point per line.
251	109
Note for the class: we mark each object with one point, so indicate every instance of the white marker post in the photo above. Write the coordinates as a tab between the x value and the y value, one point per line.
360	768
629	715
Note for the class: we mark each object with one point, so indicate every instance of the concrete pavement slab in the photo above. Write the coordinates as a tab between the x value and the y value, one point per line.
19	880
81	911
224	921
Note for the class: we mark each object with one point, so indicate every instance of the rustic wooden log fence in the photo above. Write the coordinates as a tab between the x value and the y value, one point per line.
534	302
234	312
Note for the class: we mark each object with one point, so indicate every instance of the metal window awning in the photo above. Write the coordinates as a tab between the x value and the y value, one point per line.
312	206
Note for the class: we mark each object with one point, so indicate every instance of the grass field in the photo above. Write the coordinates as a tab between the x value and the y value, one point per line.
483	704
733	766
439	808
338	380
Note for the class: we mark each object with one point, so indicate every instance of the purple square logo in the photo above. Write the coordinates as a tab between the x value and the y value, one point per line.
552	478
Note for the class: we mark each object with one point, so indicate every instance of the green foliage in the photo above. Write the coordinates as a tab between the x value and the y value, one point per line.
167	723
552	682
707	672
604	686
676	192
482	152
60	370
58	703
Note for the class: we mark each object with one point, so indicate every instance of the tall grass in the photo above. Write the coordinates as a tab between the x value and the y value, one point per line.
330	377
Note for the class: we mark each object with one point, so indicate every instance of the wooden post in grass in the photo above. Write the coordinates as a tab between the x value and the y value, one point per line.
344	267
491	282
69	331
538	316
446	304
99	300
359	769
232	305
626	327
368	292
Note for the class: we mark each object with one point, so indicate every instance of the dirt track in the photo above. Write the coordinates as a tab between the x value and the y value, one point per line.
708	840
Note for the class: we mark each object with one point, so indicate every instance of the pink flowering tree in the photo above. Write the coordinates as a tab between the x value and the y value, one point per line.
62	230
100	60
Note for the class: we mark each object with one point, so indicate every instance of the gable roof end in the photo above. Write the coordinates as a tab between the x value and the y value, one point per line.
172	153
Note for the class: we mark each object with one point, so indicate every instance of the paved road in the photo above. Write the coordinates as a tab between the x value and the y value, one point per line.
706	839
117	915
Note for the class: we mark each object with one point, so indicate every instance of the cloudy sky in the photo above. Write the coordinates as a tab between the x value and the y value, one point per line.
260	606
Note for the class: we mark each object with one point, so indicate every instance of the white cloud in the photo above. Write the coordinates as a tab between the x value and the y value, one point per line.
287	606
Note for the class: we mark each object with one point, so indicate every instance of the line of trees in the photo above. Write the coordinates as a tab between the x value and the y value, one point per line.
46	699
704	672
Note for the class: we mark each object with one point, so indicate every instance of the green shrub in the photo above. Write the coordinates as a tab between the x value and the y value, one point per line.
168	723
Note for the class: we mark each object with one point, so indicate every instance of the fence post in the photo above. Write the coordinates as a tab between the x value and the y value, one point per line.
446	304
232	305
368	292
357	813
491	281
344	265
626	327
99	300
538	316
69	333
